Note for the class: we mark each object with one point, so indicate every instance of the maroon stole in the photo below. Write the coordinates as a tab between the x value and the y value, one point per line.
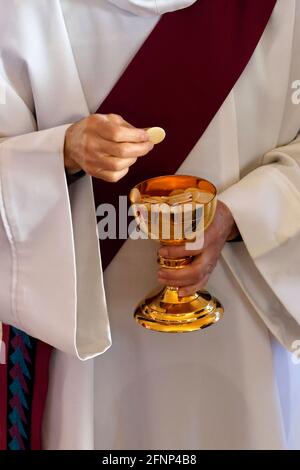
178	80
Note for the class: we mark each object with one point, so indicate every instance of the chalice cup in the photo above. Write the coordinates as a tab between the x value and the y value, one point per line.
176	210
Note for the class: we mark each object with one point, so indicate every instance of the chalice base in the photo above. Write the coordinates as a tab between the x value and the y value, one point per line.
166	312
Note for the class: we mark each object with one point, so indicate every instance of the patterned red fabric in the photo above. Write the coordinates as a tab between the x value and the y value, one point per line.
43	354
23	390
3	389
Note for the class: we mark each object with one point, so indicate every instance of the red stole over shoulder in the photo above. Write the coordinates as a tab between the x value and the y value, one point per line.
178	80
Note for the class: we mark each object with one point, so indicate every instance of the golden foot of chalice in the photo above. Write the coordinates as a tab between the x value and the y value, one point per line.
176	210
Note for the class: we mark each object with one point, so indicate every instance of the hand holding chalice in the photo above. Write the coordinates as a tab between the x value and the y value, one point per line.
176	210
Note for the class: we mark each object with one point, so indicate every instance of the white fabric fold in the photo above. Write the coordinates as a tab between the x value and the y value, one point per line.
92	332
266	208
42	262
37	247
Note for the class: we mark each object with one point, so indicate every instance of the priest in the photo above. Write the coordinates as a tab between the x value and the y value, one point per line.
82	81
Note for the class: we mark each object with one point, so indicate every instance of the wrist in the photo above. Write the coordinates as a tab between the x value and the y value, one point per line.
234	234
231	230
71	165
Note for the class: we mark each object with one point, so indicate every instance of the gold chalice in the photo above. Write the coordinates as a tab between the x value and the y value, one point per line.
176	210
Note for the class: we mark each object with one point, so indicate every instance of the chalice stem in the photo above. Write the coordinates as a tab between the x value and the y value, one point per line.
174	263
171	293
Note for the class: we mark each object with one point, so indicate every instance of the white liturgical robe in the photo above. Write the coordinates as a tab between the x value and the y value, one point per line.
232	386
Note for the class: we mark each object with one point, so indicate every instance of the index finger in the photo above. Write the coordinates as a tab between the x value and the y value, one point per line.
119	131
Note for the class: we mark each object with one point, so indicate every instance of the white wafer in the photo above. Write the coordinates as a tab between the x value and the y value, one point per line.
135	196
156	134
202	197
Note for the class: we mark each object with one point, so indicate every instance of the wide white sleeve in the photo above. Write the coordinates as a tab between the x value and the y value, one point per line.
266	208
51	279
